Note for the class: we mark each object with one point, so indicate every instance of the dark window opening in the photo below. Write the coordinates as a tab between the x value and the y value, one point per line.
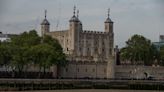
66	69
93	70
86	70
78	70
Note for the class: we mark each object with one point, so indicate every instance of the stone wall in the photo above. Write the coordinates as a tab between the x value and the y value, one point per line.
84	70
95	44
138	71
91	44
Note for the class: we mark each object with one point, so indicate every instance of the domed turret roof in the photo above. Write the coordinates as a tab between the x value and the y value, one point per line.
80	22
108	20
74	19
45	22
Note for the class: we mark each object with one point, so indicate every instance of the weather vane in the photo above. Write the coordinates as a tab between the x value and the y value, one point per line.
45	14
77	13
74	10
108	12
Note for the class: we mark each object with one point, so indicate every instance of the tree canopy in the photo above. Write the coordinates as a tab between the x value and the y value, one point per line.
28	48
162	55
139	50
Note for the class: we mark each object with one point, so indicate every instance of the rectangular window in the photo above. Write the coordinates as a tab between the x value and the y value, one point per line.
104	70
66	69
93	70
86	70
103	43
78	70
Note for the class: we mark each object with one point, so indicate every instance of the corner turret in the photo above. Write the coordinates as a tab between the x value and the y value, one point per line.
108	24
74	18
73	32
80	26
45	25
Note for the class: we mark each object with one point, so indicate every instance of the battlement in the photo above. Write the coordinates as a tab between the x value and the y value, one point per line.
87	62
93	32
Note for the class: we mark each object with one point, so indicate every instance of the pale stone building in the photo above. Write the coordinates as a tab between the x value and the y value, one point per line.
4	37
161	38
90	53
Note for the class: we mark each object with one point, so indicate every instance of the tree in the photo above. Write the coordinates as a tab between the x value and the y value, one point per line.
43	56
139	50
5	54
20	45
162	55
19	58
58	50
28	49
26	39
48	53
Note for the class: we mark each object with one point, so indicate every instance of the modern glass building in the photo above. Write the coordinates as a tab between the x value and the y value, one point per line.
160	43
4	37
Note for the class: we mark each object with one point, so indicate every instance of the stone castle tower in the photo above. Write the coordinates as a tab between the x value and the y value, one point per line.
90	53
111	62
73	33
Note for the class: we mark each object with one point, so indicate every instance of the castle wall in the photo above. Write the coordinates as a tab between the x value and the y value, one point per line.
91	44
93	47
84	70
136	71
88	52
94	44
62	37
99	70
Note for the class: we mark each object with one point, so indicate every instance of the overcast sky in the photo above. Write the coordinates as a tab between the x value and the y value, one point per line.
144	17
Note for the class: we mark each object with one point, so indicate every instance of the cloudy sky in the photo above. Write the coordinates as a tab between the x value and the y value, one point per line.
144	17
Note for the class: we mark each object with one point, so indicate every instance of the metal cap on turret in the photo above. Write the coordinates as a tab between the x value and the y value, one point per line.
78	17
74	18
108	20
45	21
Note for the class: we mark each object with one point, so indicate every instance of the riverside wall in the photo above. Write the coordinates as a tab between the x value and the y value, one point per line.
139	71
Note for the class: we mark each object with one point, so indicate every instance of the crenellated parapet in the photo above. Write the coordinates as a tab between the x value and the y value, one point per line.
94	32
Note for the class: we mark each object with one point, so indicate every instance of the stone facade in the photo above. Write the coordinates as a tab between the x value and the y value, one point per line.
90	53
85	70
139	71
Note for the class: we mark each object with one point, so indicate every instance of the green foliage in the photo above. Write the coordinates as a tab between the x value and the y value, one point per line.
29	49
26	39
5	54
139	50
162	55
58	51
43	55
